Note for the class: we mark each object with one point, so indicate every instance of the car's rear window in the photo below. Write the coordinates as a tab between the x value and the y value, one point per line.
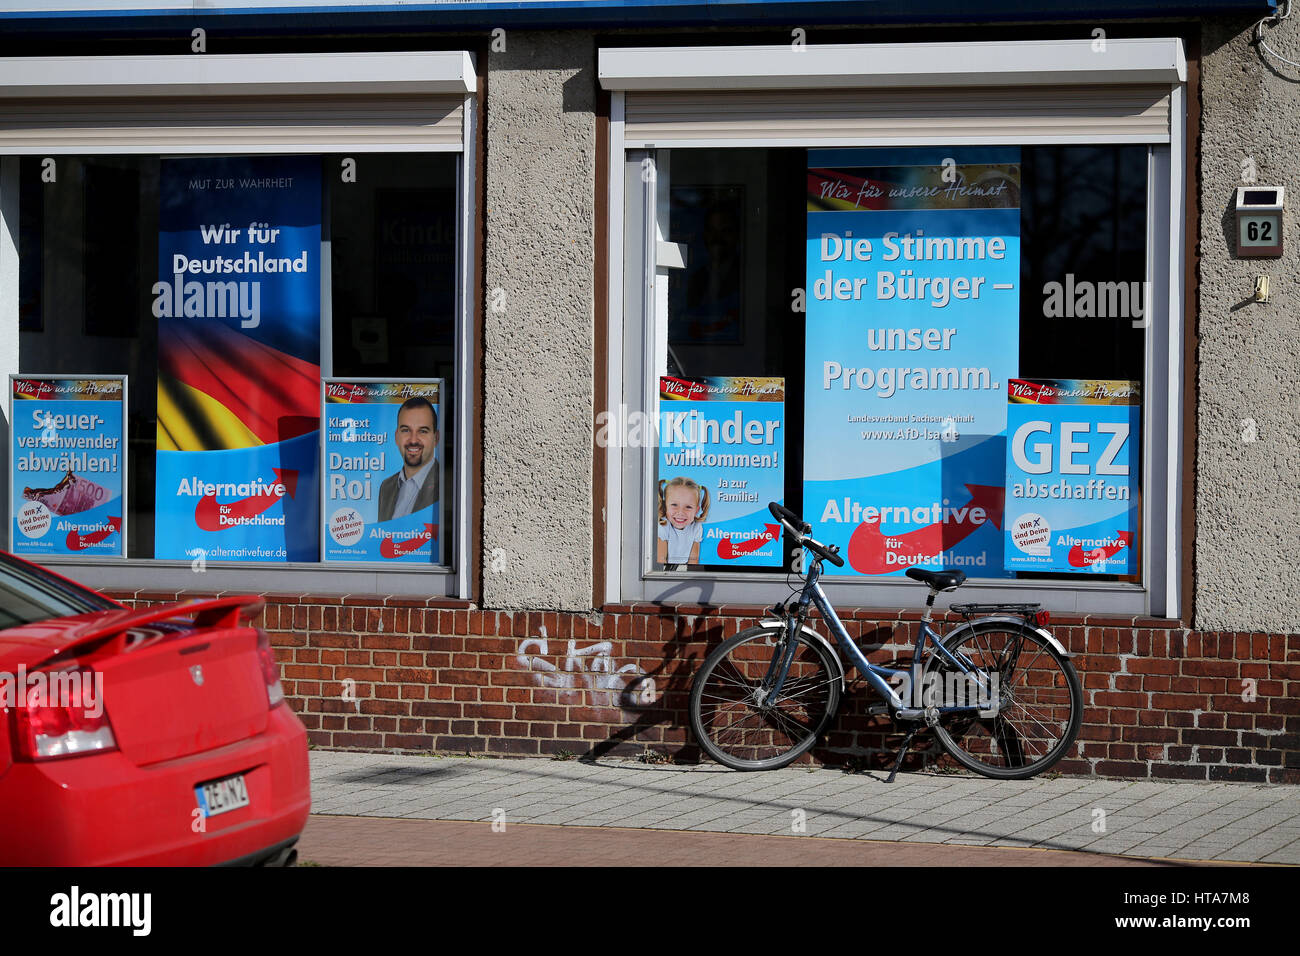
27	595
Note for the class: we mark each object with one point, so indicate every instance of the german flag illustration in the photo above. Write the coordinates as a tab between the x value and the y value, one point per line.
218	389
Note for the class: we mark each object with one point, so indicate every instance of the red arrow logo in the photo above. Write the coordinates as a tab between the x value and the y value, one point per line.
728	549
80	542
395	549
1081	558
212	515
869	550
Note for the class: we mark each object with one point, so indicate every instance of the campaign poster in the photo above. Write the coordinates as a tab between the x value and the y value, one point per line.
1072	476
68	477
238	310
721	461
913	326
383	466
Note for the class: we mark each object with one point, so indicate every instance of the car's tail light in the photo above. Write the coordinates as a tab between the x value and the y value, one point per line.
62	715
270	669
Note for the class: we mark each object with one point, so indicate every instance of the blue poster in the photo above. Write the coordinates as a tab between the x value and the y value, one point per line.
238	310
913	327
69	466
1072	478
721	461
383	471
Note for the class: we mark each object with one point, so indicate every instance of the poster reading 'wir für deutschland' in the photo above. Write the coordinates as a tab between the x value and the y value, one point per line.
238	310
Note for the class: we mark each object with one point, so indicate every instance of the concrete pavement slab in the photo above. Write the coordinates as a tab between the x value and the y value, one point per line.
373	841
1256	822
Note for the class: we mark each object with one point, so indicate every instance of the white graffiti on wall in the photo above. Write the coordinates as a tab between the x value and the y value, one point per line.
592	667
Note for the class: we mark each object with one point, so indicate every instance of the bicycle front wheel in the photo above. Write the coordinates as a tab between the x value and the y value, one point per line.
1037	693
741	726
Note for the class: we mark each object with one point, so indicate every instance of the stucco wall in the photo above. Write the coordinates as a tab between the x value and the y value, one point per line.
1248	509
538	386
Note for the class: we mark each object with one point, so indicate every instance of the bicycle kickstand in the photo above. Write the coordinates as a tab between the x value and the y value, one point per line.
902	752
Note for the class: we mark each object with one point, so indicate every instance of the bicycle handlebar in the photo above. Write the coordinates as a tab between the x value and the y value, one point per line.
799	530
789	519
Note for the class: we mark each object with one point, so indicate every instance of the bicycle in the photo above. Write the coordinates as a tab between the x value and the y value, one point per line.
998	691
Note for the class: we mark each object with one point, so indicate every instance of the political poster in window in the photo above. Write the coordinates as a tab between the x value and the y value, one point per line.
1072	476
238	311
721	460
383	470
68	478
913	269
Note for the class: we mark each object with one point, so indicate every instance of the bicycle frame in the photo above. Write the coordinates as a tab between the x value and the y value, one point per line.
876	676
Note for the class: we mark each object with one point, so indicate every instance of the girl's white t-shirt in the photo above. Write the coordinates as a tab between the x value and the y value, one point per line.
681	542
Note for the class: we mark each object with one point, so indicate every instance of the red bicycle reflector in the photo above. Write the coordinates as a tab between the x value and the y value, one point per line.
1042	618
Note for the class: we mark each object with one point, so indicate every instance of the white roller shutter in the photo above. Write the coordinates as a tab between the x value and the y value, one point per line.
848	117
220	125
234	104
940	93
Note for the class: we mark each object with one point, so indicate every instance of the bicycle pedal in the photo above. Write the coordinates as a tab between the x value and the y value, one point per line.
874	710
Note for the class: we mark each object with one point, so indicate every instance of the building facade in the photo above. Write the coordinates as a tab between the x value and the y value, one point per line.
632	254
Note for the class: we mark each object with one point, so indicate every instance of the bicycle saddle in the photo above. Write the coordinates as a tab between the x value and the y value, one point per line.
939	580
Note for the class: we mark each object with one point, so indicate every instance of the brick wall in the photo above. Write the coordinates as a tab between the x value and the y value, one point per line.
376	673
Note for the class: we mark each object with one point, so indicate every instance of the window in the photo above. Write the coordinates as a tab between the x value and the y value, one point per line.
972	339
738	307
92	237
228	250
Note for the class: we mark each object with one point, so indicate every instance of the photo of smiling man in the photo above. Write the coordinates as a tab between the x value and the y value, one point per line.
415	485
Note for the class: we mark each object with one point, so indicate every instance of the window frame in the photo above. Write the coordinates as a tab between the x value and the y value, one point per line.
638	288
321	77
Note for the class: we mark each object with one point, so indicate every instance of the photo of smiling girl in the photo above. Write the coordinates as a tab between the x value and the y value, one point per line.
683	506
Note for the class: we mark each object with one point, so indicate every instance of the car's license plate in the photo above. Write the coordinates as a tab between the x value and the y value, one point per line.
222	796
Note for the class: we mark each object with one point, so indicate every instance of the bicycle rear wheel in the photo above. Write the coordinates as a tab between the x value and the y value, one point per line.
733	722
1039	701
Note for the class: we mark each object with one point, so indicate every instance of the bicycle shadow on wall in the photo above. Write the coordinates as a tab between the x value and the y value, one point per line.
671	680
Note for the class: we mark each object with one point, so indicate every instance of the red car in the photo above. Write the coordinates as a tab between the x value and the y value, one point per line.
148	737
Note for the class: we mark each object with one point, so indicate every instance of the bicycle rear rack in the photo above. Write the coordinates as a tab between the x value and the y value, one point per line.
976	610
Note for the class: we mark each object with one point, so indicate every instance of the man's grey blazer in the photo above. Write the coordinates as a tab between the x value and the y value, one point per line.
388	493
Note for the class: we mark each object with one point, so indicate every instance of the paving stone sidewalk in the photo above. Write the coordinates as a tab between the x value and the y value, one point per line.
1185	821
